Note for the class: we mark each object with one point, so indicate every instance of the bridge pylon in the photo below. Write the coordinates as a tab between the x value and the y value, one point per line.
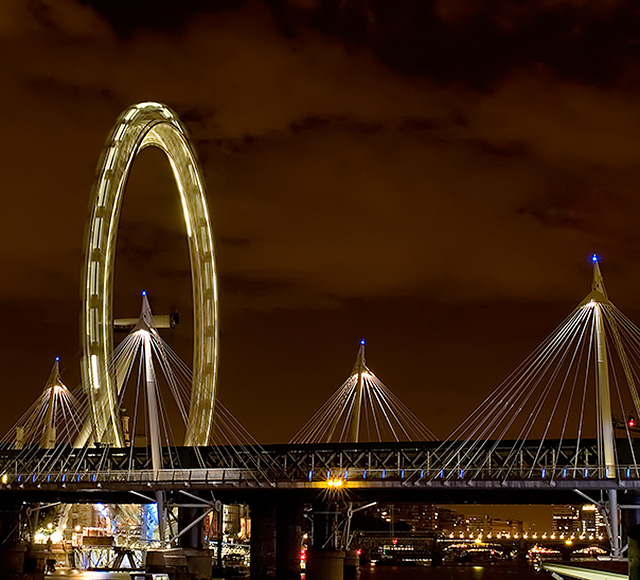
597	300
556	416
363	409
358	372
606	448
55	417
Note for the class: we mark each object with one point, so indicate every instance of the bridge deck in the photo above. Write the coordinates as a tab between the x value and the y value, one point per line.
553	466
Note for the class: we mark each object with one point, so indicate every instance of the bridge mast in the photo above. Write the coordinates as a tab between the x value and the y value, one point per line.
358	371
598	298
54	382
146	328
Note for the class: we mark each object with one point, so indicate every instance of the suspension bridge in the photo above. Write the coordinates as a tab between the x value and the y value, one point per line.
145	428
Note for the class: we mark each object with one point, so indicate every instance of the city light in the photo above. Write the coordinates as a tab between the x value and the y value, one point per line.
335	482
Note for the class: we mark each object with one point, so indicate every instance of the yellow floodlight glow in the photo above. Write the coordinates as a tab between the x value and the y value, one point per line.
56	538
335	482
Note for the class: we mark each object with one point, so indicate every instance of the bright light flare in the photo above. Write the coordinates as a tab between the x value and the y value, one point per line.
56	537
335	482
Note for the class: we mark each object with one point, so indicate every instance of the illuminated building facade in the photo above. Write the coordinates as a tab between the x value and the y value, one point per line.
566	520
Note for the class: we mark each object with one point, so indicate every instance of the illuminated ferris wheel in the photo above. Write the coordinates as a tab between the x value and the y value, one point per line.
146	125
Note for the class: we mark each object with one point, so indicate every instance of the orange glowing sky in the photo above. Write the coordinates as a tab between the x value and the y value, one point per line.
430	176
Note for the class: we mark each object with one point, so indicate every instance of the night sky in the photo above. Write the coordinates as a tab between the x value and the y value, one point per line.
432	176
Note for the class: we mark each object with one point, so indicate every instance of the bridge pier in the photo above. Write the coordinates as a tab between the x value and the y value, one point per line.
630	516
634	552
190	558
263	515
192	538
288	539
324	560
276	538
12	553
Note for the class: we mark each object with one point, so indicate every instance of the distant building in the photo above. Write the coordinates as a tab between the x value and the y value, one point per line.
447	520
423	517
420	516
471	525
566	520
591	521
236	523
502	527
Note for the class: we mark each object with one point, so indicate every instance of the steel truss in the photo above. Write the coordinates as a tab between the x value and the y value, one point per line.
364	464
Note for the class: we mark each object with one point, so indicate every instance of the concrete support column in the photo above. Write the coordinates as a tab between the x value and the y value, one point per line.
351	564
288	538
9	525
324	561
263	512
323	522
630	517
220	524
615	523
634	552
325	565
12	554
192	539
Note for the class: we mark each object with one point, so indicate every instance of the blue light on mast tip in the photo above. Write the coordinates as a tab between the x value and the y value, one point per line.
144	292
594	258
57	359
362	341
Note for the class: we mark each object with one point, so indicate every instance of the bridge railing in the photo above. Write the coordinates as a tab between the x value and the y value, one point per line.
551	474
369	464
366	477
178	476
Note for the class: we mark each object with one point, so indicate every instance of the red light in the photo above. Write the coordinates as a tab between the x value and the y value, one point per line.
395	541
303	554
631	422
359	551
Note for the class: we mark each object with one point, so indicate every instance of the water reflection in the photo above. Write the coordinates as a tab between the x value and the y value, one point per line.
493	572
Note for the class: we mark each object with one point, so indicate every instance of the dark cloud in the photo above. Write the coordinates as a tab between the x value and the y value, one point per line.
163	15
431	175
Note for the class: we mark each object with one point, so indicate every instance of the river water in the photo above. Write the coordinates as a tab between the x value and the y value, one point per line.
457	572
454	572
